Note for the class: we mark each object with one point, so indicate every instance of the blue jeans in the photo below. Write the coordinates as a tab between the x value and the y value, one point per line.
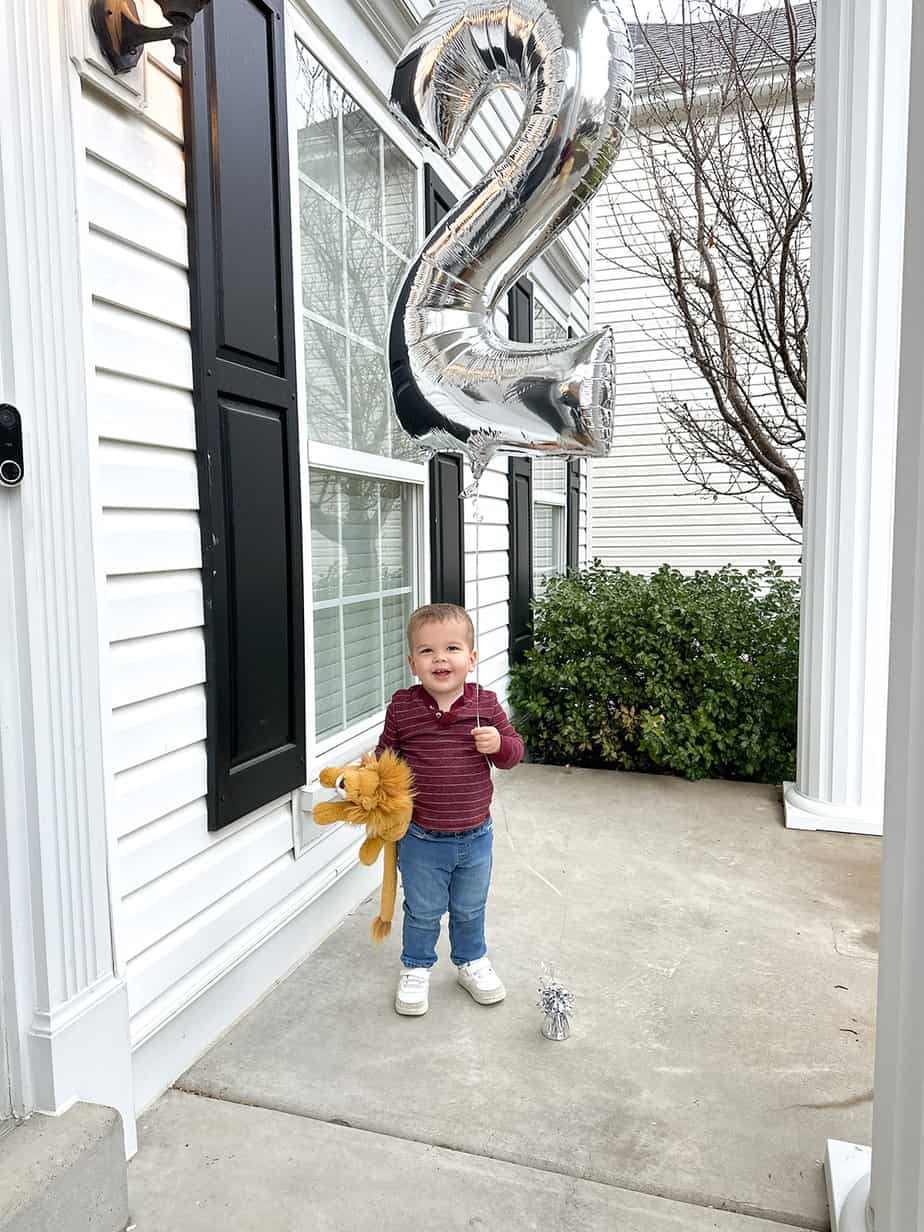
441	873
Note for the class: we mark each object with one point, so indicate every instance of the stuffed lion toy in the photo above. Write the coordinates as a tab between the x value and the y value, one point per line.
380	796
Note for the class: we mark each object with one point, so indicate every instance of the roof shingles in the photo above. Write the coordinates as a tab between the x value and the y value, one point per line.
762	38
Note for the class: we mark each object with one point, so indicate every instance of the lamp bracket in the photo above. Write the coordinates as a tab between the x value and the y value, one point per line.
122	36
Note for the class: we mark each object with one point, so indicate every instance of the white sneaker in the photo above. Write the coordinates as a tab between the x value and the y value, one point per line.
481	980
413	995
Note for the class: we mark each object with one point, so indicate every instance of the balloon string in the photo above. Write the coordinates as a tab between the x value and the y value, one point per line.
478	517
476	514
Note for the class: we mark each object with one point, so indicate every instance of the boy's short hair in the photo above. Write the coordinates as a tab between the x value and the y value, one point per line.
439	613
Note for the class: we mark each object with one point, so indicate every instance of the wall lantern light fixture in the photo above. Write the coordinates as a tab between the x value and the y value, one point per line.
122	36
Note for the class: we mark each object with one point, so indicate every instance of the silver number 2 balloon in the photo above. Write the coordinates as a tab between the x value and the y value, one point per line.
458	385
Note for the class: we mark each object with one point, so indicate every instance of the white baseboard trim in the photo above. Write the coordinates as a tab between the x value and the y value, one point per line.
165	1054
847	1169
81	1052
804	813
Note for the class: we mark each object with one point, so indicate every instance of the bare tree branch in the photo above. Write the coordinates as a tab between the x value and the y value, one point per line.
722	127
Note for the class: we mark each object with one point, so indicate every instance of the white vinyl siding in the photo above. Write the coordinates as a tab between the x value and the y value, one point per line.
188	901
644	512
192	907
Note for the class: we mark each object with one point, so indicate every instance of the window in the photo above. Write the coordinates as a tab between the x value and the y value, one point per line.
549	499
550	480
358	226
358	200
362	533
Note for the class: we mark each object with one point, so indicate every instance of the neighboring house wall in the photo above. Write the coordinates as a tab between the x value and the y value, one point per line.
645	513
206	921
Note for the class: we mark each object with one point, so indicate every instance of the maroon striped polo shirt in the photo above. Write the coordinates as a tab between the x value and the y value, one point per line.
452	779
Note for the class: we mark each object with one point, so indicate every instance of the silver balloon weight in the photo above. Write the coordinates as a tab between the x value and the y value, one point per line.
556	1027
557	1005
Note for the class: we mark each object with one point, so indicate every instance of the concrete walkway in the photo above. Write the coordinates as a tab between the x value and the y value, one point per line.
725	975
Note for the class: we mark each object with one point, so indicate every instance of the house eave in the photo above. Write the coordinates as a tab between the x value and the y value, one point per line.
393	21
562	259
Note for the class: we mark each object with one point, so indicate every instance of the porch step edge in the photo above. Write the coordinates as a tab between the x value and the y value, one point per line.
61	1171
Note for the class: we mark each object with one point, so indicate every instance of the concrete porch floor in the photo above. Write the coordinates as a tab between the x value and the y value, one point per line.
724	969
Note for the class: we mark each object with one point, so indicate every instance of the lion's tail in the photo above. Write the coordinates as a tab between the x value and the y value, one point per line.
381	925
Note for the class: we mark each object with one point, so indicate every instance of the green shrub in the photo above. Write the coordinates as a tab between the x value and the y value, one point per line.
696	675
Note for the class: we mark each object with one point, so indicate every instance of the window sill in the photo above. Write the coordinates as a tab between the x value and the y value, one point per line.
353	462
344	748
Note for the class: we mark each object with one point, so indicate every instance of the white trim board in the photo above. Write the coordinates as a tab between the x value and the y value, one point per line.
803	813
847	1169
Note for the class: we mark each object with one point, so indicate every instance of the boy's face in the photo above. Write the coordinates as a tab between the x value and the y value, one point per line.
441	658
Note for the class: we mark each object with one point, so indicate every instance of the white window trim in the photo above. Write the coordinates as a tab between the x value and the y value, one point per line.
553	502
372	465
344	746
544	496
303	26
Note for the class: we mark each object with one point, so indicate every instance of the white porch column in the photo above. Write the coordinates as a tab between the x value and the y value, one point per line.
897	1199
71	1027
896	1188
861	118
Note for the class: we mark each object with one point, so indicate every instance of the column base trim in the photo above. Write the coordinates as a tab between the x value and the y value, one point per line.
847	1169
81	1053
805	813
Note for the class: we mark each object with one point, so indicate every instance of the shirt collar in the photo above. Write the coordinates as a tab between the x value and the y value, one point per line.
458	707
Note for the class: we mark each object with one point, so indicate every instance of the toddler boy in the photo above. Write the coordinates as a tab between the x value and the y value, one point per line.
445	729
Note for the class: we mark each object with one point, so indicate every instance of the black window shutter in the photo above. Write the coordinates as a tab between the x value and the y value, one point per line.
447	545
574	513
520	495
520	308
438	199
447	554
245	391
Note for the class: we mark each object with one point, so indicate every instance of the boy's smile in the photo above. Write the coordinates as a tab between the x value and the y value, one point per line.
441	659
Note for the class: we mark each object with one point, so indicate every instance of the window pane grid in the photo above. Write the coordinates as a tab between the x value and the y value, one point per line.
546	328
368	524
397	592
548	542
316	188
349	169
549	475
359	198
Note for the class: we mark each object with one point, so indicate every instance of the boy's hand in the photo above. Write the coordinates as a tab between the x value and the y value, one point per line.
487	739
